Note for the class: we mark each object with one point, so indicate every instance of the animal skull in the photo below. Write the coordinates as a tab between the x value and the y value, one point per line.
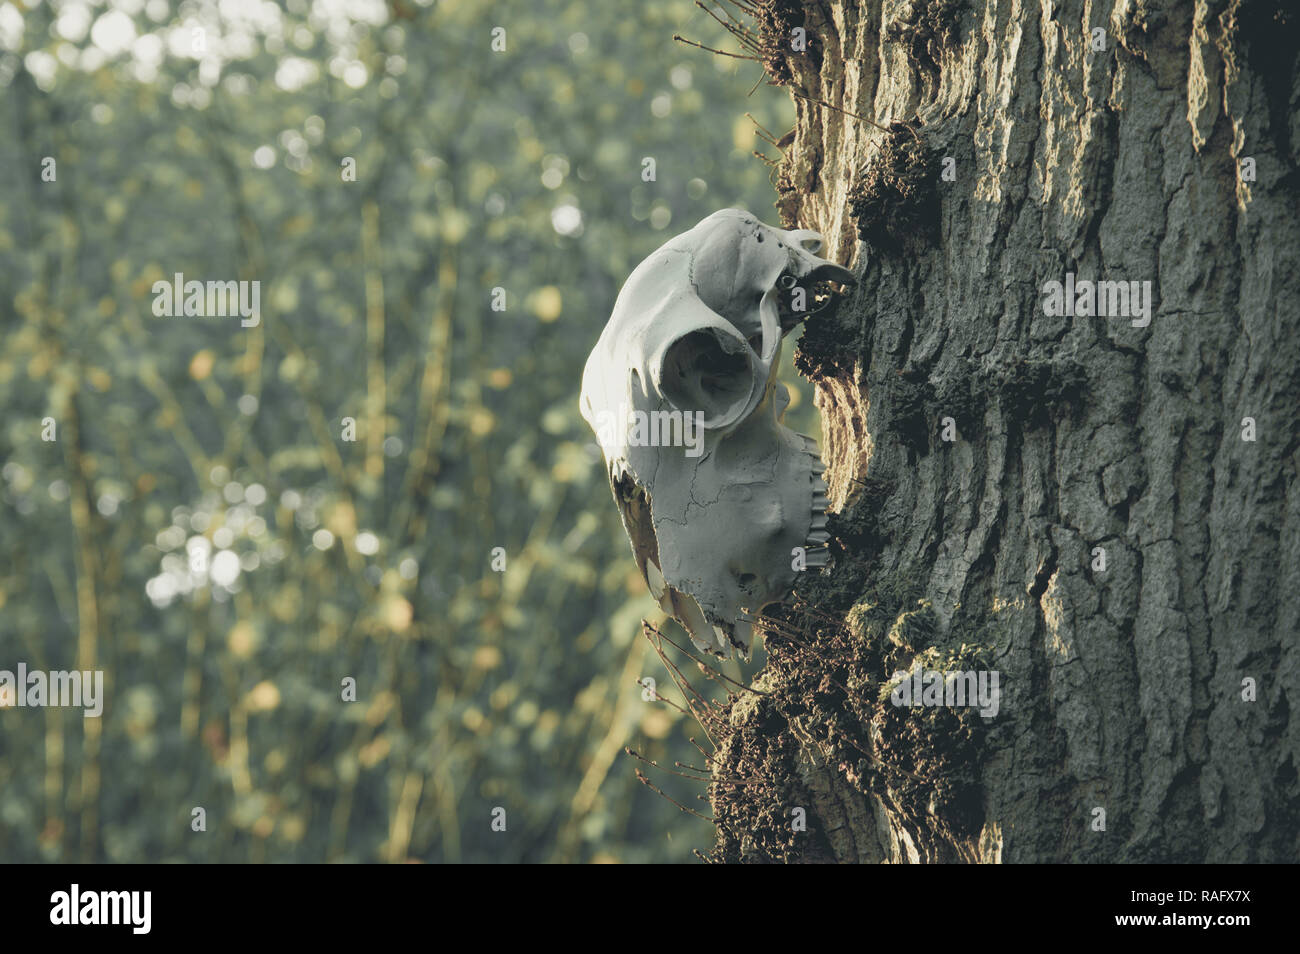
716	493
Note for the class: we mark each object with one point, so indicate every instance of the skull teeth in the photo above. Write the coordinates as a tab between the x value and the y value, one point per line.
743	636
715	648
738	635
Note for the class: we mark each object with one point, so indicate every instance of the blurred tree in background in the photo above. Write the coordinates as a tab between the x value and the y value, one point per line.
202	530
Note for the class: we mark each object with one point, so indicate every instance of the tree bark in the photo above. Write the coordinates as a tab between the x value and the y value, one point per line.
1161	150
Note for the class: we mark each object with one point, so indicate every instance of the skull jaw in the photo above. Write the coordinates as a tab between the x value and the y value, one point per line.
740	549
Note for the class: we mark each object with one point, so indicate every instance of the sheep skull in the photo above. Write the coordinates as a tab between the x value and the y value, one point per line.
720	499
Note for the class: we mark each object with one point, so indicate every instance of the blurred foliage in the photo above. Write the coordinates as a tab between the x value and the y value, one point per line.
209	139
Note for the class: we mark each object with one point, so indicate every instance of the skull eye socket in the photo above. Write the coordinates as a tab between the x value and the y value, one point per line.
701	374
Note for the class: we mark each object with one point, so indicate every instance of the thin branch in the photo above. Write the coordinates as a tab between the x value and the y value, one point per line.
681	39
840	109
690	811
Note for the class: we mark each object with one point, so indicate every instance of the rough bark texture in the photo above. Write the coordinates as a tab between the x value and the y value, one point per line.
1122	688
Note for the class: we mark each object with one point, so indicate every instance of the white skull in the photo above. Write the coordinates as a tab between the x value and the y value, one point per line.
681	389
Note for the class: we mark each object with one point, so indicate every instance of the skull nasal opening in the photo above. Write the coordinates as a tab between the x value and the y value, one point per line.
807	239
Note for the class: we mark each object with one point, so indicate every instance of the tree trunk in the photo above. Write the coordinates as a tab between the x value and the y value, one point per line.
1103	510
